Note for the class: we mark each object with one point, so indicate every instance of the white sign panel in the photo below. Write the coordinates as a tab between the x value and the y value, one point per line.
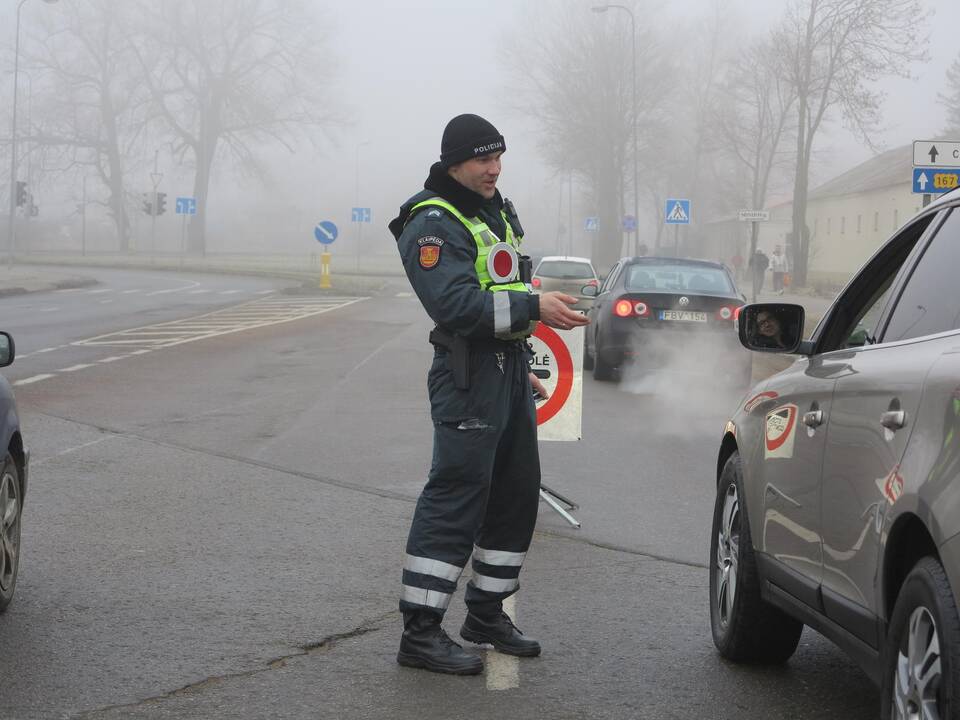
558	362
936	153
753	215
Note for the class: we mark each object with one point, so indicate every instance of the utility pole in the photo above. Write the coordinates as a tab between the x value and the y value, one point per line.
156	177
83	219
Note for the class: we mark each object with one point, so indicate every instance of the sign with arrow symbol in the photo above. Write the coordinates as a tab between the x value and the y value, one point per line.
936	153
934	180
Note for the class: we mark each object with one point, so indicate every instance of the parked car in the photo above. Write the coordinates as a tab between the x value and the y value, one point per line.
567	274
838	480
663	313
13	480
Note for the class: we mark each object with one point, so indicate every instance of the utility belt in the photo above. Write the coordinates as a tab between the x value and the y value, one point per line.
459	349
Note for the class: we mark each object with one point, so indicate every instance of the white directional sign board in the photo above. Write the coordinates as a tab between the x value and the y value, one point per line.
753	215
936	153
558	362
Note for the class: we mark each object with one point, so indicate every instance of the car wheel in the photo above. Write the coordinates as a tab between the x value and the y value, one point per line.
587	357
922	652
601	370
745	628
10	510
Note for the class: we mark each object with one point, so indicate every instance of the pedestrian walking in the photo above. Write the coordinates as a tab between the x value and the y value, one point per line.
778	268
758	268
459	239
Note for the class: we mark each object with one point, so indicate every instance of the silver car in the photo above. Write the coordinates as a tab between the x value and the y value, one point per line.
838	479
13	480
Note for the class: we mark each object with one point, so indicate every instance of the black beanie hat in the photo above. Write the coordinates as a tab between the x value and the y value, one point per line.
468	136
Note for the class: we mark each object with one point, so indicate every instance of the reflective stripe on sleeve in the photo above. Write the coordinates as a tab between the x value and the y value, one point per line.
501	313
501	558
435	568
428	598
494	585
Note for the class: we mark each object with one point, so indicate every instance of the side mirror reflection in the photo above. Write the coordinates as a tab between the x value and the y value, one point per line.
589	291
771	327
7	349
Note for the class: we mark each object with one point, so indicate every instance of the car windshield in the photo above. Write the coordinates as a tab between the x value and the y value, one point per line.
679	278
565	269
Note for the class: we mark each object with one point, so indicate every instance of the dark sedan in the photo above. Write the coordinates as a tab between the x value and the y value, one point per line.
13	480
674	314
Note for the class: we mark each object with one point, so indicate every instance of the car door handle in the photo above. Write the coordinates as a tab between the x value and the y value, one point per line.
813	419
893	419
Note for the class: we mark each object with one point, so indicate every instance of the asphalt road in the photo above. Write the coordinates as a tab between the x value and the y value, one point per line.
218	507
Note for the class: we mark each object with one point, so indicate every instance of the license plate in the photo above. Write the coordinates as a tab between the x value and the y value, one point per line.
683	315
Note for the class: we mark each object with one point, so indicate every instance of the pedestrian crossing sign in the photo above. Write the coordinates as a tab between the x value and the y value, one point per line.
677	211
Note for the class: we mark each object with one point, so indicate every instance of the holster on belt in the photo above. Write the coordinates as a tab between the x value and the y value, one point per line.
458	354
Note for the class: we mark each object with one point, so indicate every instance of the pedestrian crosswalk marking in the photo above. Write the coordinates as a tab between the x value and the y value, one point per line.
246	316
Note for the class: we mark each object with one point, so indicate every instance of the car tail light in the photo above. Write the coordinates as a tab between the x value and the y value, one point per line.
641	309
594	283
536	282
623	308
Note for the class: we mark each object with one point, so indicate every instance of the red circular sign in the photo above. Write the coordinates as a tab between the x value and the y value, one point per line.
561	354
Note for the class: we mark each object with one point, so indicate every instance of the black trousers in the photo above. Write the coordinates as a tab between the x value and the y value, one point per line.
483	489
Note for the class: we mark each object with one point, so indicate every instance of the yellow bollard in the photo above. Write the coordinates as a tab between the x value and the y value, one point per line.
325	270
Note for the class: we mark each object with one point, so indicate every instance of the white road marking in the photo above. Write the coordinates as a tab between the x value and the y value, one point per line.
106	302
229	292
69	290
48	309
112	358
171	290
128	292
264	292
99	292
31	380
503	671
199	292
404	294
34	463
46	350
74	368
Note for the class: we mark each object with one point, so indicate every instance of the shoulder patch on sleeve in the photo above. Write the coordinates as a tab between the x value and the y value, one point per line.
434	213
430	251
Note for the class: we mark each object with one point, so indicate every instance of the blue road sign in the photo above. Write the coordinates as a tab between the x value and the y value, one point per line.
629	223
186	206
591	224
935	180
325	232
360	215
677	211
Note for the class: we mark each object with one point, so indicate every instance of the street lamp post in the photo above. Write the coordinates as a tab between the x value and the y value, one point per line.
636	174
359	219
13	133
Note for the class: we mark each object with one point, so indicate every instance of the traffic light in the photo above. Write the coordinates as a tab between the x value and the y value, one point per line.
161	203
21	193
148	203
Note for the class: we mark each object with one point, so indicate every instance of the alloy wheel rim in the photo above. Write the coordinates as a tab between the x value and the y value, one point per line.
9	528
728	550
916	686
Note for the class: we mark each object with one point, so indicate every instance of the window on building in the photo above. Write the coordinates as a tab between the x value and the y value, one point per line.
859	222
876	221
843	225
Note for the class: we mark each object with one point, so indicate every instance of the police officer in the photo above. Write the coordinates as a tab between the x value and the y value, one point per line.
459	242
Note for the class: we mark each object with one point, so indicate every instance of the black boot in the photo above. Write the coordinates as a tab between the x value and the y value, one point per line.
499	631
425	644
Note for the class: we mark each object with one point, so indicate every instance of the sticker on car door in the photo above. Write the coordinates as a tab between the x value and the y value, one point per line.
779	429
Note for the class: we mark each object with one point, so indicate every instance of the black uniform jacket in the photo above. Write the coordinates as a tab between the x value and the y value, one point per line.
439	253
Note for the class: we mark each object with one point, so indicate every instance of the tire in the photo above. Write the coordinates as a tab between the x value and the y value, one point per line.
745	628
924	625
601	370
11	509
587	357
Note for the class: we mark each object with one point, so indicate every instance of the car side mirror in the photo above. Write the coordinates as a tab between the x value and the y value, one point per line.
771	327
7	349
589	290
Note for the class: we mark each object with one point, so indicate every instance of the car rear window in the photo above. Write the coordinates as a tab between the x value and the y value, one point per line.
680	278
565	269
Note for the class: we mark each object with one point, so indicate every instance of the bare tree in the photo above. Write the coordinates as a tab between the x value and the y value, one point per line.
756	119
230	78
575	79
92	101
951	98
836	49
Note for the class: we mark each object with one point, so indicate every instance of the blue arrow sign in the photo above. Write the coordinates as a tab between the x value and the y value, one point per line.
629	223
591	224
325	232
935	180
360	215
677	211
186	206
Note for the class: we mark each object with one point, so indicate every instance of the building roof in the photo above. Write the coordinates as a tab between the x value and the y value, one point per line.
893	167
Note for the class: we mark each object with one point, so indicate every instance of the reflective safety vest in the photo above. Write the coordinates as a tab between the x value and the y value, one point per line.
493	273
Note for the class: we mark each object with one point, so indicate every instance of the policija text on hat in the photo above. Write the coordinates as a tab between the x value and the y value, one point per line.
459	241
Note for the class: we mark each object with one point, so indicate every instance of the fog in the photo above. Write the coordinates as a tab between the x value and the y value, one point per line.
381	79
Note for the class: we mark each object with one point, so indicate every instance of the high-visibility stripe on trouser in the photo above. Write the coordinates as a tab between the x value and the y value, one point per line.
483	487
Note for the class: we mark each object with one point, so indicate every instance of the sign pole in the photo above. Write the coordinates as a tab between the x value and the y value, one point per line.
676	240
